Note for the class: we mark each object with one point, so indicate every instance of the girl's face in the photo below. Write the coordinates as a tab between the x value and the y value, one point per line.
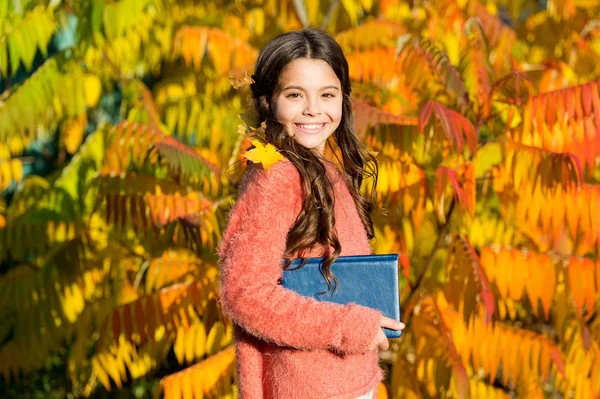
309	102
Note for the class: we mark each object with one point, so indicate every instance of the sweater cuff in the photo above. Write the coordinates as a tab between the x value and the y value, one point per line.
359	329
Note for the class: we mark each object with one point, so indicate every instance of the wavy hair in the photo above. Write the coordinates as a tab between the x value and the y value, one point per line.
315	224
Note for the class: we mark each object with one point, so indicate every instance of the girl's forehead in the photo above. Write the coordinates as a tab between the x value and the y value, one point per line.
308	72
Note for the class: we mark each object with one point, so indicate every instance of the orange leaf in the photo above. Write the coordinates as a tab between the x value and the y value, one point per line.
576	284
505	263
535	279
518	277
549	287
587	279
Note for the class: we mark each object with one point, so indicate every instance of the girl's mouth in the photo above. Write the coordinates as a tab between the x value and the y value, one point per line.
312	128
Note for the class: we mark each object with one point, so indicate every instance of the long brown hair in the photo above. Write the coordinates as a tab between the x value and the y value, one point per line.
315	224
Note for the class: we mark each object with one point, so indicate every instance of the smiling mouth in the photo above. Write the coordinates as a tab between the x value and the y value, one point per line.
310	127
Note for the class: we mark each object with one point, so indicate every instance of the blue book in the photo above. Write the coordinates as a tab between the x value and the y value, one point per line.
368	280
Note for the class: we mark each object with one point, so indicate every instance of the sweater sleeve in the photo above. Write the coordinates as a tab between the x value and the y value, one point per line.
251	254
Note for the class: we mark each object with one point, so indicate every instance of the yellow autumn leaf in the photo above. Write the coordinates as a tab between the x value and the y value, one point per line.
92	88
72	133
16	169
266	154
179	346
214	339
353	10
4	152
367	4
5	175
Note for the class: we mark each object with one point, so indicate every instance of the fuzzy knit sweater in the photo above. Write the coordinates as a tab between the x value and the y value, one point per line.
289	346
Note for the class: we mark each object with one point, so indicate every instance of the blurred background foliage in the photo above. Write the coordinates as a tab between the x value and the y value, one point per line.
119	159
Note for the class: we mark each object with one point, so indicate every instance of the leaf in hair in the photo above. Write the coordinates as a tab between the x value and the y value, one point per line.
266	154
237	82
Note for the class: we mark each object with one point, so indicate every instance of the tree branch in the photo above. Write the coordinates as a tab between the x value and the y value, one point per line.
417	285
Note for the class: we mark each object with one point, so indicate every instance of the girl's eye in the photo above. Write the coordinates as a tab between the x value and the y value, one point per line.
329	95
293	95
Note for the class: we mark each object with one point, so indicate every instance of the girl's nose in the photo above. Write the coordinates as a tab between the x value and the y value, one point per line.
312	108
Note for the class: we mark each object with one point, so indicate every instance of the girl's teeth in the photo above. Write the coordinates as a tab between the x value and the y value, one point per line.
311	126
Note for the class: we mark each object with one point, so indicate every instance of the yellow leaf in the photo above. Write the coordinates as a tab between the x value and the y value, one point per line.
213	342
353	9
266	154
382	392
200	348
92	88
17	170
179	346
72	133
5	175
367	4
4	152
98	370
453	48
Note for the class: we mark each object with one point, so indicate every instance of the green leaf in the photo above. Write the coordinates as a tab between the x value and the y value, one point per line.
3	58
29	46
97	13
15	44
489	155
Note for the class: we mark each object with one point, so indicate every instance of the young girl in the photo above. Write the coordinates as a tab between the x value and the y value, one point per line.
289	346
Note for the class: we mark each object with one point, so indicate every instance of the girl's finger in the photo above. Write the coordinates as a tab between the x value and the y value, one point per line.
391	323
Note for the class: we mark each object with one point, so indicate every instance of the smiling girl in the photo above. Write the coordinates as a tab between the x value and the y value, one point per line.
289	346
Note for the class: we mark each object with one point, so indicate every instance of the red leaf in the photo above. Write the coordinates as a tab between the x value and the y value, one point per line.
486	293
453	123
134	213
425	114
116	324
127	321
570	103
405	264
140	320
578	109
116	209
558	360
586	95
551	109
445	175
109	207
456	125
123	212
151	316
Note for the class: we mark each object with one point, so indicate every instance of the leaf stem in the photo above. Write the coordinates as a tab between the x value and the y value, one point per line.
438	244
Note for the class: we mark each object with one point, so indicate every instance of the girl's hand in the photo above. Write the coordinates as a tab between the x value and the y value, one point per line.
381	342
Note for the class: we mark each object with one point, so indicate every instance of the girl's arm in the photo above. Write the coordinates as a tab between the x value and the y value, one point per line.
251	253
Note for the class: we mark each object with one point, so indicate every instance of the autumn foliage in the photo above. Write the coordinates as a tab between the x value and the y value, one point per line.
485	117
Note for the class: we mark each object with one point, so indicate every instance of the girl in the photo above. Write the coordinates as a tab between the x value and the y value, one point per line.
289	346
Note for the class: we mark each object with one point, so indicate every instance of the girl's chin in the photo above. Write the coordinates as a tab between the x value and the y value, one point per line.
310	144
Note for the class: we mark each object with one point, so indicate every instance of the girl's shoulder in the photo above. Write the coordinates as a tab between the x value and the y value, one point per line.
281	175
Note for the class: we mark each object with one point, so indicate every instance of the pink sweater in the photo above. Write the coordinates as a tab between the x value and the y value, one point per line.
288	346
